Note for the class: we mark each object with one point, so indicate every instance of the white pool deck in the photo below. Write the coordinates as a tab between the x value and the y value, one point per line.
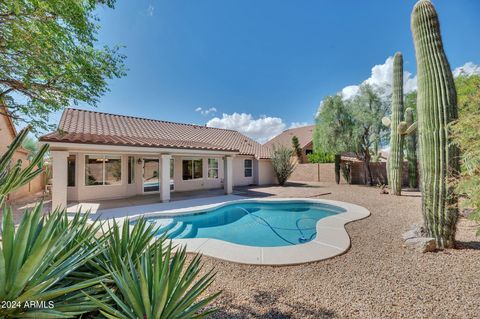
332	239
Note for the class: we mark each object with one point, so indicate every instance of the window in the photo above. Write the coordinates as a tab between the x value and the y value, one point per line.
71	170
192	169
248	165
103	170
212	168
131	170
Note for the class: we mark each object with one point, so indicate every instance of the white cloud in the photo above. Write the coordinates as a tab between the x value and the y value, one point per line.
382	76
150	10
298	124
467	69
206	111
260	129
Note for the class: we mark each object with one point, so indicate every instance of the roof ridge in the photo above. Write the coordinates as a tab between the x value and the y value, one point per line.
147	119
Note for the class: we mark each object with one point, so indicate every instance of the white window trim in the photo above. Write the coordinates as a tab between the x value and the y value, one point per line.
245	167
103	170
217	168
193	169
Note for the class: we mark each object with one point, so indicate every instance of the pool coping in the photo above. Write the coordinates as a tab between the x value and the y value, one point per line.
332	238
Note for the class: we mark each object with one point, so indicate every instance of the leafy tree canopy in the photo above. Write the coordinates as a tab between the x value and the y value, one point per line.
48	57
353	125
467	136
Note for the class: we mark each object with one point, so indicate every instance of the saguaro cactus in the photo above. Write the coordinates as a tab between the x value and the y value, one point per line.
395	158
411	148
436	108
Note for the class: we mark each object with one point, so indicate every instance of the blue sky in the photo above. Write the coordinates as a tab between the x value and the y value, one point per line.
275	59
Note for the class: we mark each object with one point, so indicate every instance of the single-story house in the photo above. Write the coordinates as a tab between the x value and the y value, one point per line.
305	139
99	156
8	132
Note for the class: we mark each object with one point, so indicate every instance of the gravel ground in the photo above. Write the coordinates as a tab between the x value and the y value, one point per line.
376	278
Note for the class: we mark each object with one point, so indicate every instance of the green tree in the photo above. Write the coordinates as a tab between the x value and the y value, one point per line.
466	133
49	58
297	149
353	126
368	108
334	127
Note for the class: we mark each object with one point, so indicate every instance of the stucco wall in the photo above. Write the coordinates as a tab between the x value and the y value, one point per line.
239	178
264	174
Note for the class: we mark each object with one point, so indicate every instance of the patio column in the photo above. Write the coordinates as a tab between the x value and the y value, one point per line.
228	174
165	178
59	179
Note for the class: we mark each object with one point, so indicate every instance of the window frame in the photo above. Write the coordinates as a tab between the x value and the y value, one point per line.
213	168
74	170
192	160
245	168
104	171
131	170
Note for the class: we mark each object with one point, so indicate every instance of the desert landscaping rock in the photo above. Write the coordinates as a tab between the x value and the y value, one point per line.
421	244
375	278
415	231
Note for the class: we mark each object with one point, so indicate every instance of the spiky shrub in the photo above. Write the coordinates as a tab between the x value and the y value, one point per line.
159	284
337	168
282	163
12	175
411	150
395	159
436	108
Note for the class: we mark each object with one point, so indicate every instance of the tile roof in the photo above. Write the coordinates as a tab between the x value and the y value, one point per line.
304	134
90	127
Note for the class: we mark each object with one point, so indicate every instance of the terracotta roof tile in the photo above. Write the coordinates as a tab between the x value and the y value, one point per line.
304	134
82	126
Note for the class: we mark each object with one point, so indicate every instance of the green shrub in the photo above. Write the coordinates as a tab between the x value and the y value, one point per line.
282	163
466	134
321	157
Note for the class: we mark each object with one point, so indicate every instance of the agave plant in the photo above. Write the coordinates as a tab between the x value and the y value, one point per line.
122	242
13	176
160	284
36	260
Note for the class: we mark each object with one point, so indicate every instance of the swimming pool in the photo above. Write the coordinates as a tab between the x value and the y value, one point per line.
260	224
267	231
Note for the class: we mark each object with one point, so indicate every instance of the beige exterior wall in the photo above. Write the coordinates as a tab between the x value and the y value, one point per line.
239	178
264	174
82	192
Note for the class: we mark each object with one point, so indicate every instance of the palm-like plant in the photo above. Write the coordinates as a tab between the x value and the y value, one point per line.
12	176
36	260
160	284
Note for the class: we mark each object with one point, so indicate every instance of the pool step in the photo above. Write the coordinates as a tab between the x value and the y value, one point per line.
187	232
163	225
175	230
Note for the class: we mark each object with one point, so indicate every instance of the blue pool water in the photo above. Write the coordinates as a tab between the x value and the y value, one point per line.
261	224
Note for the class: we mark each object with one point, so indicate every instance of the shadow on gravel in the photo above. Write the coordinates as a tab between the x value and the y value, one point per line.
265	304
475	245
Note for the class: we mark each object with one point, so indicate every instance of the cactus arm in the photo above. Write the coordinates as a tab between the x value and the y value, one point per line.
437	108
395	158
411	149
